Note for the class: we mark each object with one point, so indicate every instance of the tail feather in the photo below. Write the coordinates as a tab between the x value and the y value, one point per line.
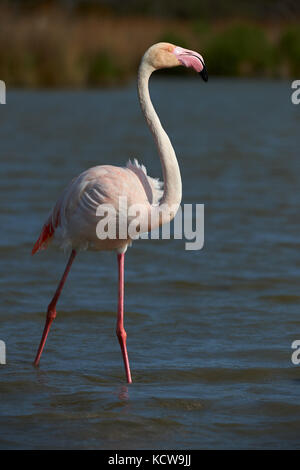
44	238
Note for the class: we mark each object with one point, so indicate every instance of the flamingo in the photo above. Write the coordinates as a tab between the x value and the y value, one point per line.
73	220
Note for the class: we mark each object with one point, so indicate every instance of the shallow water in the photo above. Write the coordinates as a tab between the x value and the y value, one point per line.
209	331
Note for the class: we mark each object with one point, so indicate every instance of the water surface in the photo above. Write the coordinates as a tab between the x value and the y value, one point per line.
209	331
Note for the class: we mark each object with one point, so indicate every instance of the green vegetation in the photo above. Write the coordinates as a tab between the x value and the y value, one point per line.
240	50
102	69
54	47
289	49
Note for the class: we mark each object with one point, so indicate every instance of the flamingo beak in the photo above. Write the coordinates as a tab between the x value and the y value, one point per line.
191	59
204	73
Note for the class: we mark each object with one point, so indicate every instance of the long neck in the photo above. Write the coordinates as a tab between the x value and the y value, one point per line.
171	173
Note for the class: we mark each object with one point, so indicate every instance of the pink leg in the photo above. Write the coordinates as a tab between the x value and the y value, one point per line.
51	313
121	333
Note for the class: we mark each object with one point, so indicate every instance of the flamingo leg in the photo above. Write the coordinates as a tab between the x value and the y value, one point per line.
121	333
51	312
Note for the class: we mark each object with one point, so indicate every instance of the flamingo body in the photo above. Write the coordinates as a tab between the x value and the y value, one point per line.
74	218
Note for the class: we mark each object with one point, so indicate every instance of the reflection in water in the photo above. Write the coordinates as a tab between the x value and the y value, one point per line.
123	393
42	377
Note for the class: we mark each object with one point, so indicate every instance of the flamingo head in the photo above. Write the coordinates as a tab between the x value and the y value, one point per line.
164	55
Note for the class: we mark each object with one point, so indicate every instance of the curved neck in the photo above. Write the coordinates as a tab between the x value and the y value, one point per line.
171	173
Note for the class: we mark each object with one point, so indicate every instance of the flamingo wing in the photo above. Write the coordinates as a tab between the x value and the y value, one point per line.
74	215
50	225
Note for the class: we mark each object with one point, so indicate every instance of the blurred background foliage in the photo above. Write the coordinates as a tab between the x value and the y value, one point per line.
87	43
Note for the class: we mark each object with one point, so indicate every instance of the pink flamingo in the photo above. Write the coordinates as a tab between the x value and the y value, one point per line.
73	219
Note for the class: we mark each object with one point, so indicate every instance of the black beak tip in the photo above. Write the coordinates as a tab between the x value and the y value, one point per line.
204	74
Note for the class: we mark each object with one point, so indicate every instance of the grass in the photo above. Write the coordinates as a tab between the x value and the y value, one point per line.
241	50
53	48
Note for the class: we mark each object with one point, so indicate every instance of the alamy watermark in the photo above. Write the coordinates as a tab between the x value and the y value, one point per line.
296	354
2	92
142	221
2	352
295	96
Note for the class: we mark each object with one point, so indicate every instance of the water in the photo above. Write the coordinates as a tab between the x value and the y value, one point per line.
209	331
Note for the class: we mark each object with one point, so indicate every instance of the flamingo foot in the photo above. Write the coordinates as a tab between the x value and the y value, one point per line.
51	314
122	335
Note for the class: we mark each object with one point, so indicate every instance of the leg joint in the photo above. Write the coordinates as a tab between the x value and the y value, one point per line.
121	334
51	311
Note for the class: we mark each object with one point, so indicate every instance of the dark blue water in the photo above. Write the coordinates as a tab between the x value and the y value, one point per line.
209	331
